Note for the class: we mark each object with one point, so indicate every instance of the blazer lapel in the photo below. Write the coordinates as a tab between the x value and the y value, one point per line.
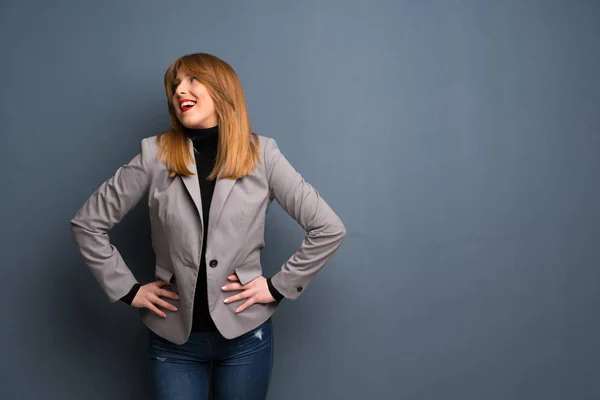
193	186
222	189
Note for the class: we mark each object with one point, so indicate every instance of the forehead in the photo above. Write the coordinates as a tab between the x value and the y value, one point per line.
181	73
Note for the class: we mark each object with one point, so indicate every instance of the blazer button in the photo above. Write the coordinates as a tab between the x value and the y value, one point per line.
213	263
299	288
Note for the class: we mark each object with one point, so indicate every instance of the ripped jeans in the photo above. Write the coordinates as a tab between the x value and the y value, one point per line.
236	369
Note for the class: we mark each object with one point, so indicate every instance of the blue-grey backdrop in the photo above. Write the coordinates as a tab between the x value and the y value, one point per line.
458	140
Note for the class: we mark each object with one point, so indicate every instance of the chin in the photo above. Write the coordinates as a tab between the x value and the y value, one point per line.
191	123
193	126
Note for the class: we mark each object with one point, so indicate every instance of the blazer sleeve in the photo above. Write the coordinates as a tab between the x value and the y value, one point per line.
104	209
324	229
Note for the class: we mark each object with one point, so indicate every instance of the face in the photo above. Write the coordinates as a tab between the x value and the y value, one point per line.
192	103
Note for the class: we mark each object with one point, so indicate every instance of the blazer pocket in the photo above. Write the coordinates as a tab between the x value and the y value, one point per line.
164	274
249	271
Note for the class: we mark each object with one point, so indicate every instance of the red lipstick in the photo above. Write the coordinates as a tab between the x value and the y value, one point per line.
187	107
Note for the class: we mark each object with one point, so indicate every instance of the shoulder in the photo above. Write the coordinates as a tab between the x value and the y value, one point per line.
149	146
150	143
268	146
262	141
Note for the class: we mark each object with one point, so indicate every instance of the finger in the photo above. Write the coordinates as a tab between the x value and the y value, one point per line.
169	294
160	283
155	310
233	277
233	286
240	296
161	303
247	304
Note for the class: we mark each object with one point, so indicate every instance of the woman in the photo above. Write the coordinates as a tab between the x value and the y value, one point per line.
209	182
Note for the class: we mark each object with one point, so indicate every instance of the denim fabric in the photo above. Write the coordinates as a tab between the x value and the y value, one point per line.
233	369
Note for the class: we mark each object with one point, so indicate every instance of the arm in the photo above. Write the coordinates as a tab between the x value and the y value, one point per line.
324	229
104	209
274	292
128	298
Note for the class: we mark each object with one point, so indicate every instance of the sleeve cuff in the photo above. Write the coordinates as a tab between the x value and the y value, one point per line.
128	298
274	292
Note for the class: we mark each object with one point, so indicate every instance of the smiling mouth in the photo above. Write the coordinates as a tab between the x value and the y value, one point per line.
187	105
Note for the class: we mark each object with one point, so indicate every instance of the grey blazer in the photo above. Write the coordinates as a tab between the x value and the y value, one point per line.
235	236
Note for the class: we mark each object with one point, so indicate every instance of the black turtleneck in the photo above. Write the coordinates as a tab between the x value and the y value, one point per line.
205	152
206	143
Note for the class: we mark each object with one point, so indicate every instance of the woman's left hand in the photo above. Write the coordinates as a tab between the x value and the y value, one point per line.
255	291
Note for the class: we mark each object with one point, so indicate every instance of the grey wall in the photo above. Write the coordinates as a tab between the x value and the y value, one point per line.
458	141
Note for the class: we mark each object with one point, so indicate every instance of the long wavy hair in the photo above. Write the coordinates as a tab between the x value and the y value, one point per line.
238	148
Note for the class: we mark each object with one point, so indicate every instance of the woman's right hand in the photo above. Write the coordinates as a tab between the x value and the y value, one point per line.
148	297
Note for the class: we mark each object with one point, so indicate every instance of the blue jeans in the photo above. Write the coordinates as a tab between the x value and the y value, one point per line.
236	369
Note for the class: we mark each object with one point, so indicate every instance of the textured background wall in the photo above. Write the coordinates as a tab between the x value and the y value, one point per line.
458	141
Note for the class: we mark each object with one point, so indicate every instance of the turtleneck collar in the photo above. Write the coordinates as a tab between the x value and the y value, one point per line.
205	140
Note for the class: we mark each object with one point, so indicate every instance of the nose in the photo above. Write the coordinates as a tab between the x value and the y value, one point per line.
180	89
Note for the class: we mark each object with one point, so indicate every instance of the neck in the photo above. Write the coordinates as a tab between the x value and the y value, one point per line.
205	140
202	133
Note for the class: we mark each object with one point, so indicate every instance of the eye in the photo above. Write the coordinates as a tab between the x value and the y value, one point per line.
192	79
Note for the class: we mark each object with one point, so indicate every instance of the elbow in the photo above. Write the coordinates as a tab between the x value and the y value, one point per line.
342	230
333	231
75	228
75	224
72	224
334	227
79	225
338	230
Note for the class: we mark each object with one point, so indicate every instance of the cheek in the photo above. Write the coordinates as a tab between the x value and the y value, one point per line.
175	105
209	105
206	107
